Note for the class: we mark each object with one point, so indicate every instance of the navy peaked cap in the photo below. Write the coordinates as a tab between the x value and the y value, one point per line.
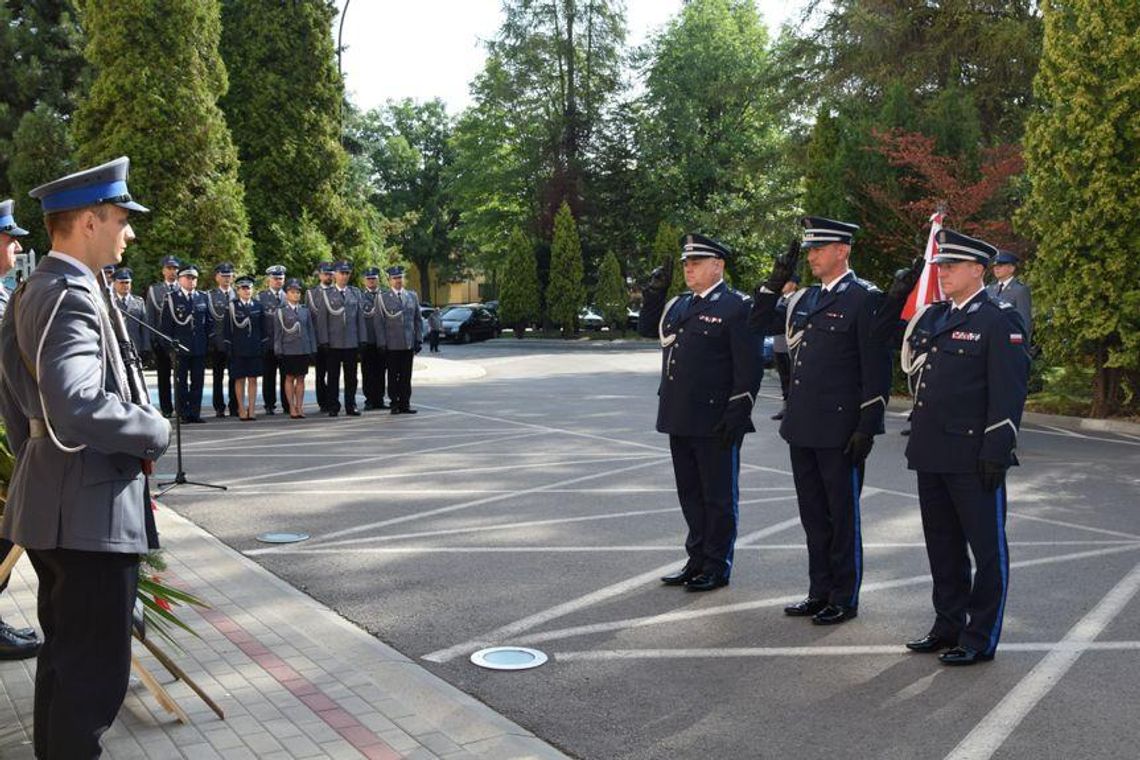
372	272
7	222
293	284
396	271
954	246
106	183
1007	257
224	268
170	261
188	269
275	271
819	231
342	266
124	274
245	279
694	245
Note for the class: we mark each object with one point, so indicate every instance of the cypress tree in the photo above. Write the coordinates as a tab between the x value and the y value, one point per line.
284	107
1082	152
155	99
611	297
565	293
825	191
519	289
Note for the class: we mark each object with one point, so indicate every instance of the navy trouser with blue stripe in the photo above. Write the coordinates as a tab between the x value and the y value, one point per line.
828	488
707	487
958	513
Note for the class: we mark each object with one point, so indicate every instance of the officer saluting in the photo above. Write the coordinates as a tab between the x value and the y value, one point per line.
132	305
840	379
186	318
967	357
76	499
155	303
710	373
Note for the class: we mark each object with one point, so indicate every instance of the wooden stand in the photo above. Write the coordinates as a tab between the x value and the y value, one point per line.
160	693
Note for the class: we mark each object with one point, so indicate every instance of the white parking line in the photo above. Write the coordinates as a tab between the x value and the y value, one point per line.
1075	526
992	731
576	605
858	650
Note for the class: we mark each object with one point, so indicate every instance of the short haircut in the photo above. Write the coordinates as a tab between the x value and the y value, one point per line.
62	222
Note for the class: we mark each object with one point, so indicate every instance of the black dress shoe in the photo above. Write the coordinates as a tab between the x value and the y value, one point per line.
333	413
369	406
194	421
929	644
219	413
680	578
352	412
396	410
13	647
409	410
270	412
383	406
963	656
706	582
806	608
834	614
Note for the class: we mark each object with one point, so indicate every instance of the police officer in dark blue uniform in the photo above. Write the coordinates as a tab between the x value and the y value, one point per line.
186	318
967	359
710	374
840	381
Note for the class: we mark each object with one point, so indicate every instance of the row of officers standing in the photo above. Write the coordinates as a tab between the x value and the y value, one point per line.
274	335
968	365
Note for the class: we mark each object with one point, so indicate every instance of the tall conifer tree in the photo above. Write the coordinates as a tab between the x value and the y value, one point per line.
565	292
155	100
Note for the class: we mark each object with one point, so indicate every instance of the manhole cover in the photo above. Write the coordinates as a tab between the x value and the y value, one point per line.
282	538
508	658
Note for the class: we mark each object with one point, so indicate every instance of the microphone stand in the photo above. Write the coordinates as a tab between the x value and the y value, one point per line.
180	476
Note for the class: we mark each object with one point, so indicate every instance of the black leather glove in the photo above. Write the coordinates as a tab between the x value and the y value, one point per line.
418	347
146	357
784	267
661	278
992	474
734	424
858	447
905	280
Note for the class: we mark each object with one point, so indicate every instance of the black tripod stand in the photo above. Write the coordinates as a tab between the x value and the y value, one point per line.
177	349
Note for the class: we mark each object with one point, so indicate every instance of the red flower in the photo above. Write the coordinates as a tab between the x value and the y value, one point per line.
161	602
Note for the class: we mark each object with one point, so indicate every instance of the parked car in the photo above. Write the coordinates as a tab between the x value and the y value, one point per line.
631	317
463	324
590	319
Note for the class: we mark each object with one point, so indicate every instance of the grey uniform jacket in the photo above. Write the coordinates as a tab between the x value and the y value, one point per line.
340	317
397	320
1016	294
270	303
4	295
135	307
369	310
294	334
155	301
91	497
219	303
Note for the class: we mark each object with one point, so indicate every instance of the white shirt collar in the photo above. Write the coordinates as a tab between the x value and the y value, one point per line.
185	292
827	286
1007	280
705	293
956	305
86	270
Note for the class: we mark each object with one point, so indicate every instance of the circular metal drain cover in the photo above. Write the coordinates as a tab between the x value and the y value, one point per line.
508	658
282	538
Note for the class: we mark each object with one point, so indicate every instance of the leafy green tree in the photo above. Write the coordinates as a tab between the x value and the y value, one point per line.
611	296
519	293
155	99
565	292
284	106
711	140
825	184
45	75
1083	163
408	148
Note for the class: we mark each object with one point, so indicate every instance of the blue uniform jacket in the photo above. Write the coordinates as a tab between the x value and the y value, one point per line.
841	376
970	391
188	320
711	358
244	333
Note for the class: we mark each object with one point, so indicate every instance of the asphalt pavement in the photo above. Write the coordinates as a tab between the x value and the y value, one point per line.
531	502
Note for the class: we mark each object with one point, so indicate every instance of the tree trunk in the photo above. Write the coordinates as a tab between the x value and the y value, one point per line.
1106	387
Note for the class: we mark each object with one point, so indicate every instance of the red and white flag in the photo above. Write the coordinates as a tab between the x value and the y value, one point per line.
927	291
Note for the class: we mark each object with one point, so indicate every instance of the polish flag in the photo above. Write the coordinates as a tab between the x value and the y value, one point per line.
927	291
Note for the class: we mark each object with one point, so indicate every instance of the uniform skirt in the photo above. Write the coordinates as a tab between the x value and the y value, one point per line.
297	366
245	366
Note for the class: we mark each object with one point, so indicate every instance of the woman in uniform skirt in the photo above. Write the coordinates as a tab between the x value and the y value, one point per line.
294	342
245	343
